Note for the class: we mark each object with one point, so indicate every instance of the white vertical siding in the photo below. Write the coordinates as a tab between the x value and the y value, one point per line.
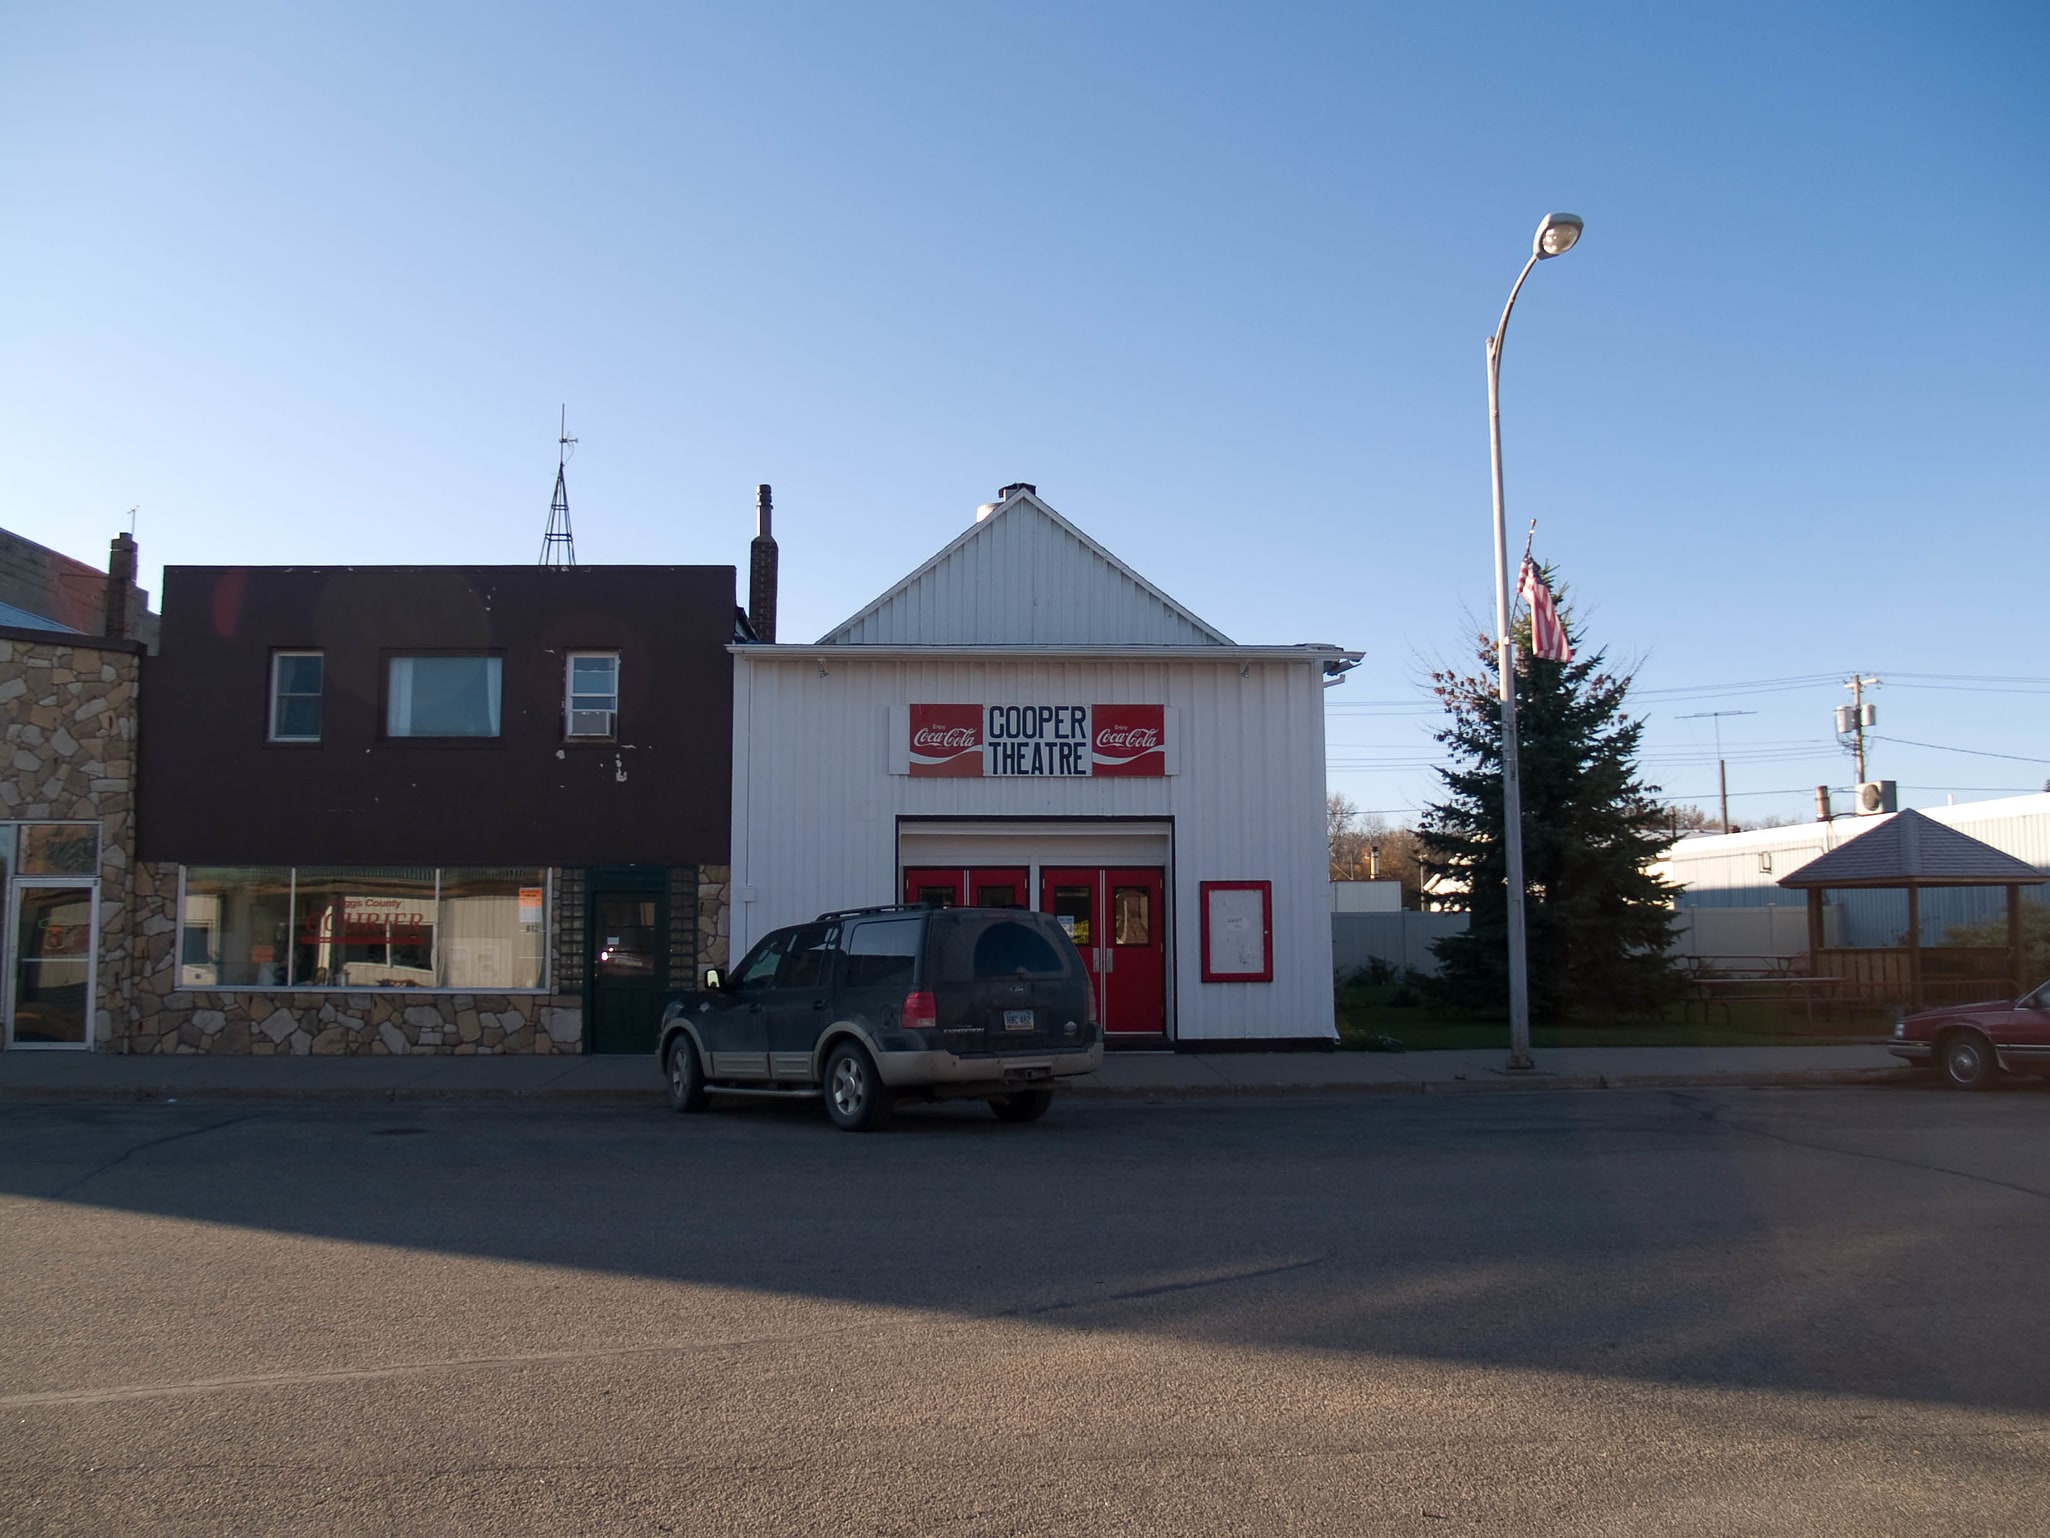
815	808
1023	578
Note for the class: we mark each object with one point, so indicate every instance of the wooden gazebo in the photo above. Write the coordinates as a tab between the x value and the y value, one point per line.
1911	851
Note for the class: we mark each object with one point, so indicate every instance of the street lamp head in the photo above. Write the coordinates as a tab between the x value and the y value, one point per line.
1556	235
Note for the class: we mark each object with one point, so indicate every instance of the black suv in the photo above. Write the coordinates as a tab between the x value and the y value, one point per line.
864	1006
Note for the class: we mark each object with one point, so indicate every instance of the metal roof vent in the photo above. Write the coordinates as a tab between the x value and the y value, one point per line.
1003	495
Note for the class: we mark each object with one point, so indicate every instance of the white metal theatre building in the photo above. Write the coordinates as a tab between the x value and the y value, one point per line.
1025	720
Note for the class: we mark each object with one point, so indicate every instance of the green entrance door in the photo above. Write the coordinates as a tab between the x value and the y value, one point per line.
627	928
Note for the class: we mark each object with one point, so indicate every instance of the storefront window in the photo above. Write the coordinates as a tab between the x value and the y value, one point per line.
358	928
490	929
363	928
236	929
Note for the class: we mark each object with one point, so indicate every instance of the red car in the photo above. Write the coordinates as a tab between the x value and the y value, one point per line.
1971	1044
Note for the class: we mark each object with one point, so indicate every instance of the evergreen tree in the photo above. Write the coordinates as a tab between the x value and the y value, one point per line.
1598	922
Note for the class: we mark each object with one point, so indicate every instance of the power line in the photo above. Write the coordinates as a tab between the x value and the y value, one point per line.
1909	742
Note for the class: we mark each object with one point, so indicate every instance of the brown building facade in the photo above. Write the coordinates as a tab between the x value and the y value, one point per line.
431	809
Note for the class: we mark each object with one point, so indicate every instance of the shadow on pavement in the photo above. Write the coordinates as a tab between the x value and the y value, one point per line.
1841	1242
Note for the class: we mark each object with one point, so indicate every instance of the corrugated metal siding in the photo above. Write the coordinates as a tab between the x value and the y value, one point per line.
1721	871
1023	580
815	807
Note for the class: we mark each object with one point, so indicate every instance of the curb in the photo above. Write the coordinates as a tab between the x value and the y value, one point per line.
1540	1084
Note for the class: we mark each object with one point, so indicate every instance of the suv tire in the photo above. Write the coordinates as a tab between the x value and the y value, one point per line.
1026	1105
684	1074
857	1100
1969	1061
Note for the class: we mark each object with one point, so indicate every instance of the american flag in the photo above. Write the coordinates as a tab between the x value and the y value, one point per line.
1547	635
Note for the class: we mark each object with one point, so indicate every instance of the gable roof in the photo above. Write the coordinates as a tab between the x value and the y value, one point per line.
1024	576
1909	849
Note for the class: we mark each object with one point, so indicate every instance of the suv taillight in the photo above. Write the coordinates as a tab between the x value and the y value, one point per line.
1089	1001
920	1012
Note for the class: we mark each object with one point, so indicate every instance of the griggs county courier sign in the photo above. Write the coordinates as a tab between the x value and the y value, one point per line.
1037	741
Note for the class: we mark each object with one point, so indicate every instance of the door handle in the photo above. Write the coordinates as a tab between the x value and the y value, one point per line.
818	1003
754	1009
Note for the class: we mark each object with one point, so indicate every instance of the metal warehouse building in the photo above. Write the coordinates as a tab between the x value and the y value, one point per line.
1741	870
1025	720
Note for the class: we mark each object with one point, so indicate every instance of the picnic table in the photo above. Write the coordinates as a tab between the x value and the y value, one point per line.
1728	980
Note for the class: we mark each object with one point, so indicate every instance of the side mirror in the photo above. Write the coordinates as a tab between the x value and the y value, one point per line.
714	981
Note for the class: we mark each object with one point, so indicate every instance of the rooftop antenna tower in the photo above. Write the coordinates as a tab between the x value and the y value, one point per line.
558	545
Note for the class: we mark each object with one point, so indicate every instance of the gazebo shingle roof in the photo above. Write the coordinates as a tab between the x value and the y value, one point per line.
1909	849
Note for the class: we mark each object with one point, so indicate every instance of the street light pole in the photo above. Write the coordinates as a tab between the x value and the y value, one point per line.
1555	236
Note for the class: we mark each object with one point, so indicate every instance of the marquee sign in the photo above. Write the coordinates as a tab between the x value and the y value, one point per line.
1034	741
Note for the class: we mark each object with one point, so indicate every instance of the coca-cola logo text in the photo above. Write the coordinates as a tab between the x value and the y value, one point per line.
1129	739
943	738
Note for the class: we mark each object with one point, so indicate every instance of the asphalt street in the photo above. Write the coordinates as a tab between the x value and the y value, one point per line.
1811	1311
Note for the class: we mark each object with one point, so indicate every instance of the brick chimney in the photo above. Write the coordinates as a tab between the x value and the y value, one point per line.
761	571
123	602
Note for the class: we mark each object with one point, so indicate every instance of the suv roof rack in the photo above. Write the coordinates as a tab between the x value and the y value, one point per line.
855	913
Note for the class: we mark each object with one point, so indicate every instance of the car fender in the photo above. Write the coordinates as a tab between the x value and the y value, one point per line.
840	1030
680	1024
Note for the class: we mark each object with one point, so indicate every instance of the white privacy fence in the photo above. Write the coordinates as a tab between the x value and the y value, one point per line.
1405	939
1399	939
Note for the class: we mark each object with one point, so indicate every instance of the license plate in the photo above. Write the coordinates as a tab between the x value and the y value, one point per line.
1019	1020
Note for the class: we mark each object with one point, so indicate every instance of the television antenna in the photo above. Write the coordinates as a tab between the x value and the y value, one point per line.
1722	782
558	545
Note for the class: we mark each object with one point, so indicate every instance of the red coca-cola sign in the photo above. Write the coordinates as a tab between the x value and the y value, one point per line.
946	741
1128	740
1037	741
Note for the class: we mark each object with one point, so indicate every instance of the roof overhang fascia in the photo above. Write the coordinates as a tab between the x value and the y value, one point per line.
861	653
1902	883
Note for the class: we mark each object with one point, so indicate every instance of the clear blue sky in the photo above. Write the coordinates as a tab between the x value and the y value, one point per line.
309	283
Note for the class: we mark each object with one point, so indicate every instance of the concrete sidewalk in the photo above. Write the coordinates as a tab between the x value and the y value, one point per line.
32	1075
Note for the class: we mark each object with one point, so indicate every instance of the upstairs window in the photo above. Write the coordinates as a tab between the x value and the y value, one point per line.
591	702
442	697
295	688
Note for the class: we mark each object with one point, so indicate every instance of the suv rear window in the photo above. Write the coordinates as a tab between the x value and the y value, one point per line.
968	948
882	954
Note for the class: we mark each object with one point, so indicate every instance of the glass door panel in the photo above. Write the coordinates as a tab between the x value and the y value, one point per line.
1071	897
998	887
933	886
53	966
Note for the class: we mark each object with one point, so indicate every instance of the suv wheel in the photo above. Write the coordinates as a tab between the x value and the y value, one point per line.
1969	1061
685	1075
1027	1105
857	1100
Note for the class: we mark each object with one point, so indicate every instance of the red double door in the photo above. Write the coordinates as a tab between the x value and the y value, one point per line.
1115	915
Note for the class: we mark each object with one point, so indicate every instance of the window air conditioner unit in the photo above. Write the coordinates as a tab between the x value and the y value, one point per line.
590	723
1875	796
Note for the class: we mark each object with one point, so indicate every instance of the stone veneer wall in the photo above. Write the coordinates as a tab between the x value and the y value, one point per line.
374	1022
697	922
69	756
714	918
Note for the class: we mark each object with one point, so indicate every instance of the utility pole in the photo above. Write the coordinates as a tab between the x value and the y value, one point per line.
1852	719
1722	780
